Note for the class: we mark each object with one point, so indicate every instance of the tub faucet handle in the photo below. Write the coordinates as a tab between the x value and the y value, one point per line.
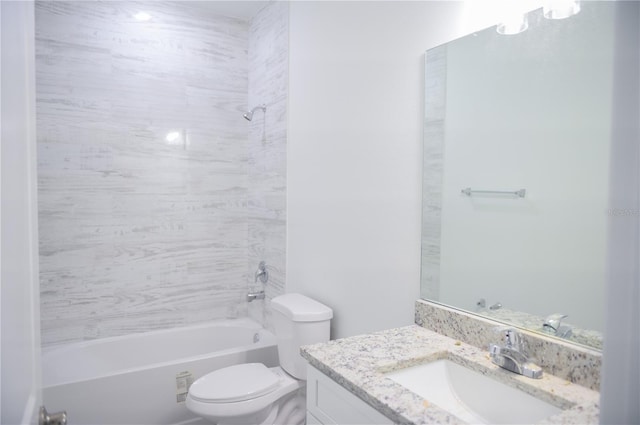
496	306
262	273
46	418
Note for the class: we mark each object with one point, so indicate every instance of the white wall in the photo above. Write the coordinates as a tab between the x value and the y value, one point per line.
621	360
20	319
355	152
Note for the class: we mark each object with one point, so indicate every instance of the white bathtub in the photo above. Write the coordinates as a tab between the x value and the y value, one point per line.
133	379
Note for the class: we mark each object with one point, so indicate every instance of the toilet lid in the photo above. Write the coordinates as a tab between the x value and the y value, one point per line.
235	383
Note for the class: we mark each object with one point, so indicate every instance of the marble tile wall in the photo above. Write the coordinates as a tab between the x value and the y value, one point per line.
267	202
436	95
139	232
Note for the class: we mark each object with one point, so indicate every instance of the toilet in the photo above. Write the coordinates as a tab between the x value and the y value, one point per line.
252	393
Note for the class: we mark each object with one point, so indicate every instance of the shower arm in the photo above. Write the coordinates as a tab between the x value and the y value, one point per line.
249	115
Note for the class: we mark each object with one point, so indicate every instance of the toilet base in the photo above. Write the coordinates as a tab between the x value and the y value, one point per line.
293	410
288	411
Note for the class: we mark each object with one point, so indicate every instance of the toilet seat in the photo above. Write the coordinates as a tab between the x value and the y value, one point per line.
235	383
254	408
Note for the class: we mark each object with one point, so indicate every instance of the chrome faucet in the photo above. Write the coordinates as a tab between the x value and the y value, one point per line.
552	325
263	275
511	356
255	296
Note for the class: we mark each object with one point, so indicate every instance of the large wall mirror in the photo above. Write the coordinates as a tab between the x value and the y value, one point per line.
516	173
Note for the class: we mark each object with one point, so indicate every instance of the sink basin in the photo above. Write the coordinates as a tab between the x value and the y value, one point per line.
472	396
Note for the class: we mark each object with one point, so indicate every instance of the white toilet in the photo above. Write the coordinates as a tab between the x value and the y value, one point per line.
252	393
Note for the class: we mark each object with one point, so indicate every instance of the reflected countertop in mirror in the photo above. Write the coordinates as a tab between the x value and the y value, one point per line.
530	111
588	337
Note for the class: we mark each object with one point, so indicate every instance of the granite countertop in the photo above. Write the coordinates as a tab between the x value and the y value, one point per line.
358	364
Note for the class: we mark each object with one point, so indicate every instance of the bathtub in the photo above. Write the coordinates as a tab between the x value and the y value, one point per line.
140	378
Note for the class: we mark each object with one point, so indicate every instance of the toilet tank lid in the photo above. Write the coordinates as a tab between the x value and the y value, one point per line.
299	308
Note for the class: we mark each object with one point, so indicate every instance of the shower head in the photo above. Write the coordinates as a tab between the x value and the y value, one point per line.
249	115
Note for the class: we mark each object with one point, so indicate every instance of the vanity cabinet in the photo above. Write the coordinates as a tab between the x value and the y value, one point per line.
329	403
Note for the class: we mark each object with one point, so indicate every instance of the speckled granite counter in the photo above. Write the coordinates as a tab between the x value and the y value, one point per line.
558	357
359	363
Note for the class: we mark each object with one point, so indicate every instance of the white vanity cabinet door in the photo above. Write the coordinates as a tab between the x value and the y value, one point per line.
329	403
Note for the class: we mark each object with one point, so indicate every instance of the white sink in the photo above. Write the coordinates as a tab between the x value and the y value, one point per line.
471	396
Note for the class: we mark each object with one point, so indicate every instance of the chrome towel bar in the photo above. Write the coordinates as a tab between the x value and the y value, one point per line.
519	193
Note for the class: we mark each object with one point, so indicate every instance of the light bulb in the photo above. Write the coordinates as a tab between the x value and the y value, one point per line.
560	9
513	24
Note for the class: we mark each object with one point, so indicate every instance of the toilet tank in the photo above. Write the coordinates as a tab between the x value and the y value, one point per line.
298	320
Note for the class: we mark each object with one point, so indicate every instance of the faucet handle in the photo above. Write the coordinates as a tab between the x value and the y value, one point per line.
512	338
509	336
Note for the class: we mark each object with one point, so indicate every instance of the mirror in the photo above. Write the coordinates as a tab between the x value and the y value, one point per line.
516	173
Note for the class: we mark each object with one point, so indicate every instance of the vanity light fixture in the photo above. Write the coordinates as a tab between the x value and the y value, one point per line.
560	9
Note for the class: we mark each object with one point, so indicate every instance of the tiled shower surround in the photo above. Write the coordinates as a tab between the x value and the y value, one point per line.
147	214
267	168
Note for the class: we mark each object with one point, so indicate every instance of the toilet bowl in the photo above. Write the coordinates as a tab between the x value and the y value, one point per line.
248	393
252	393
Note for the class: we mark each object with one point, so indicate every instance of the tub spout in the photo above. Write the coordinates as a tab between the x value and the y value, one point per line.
255	296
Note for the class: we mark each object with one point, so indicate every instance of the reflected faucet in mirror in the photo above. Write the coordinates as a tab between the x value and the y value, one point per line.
481	304
552	325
